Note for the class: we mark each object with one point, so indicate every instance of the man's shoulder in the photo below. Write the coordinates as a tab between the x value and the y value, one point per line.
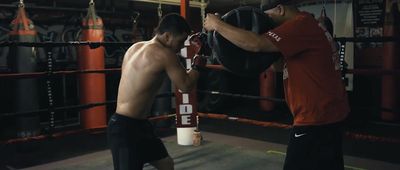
154	47
302	23
159	51
154	53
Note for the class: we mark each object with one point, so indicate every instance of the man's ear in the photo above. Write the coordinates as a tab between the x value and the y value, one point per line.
281	9
168	36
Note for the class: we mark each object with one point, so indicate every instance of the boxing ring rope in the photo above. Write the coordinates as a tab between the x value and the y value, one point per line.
215	67
348	134
74	107
42	74
343	40
72	132
98	44
369	39
244	120
352	135
373	72
212	67
241	95
61	44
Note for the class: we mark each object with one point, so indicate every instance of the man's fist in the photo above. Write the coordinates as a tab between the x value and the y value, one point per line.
199	42
199	62
211	22
195	40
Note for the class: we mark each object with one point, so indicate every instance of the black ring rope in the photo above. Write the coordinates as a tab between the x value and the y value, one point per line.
98	44
242	95
85	106
54	73
74	107
61	44
370	39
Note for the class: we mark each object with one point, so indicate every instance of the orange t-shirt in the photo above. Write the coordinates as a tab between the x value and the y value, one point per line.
313	86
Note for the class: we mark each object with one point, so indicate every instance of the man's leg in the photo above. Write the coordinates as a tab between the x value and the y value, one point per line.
315	147
331	151
156	154
299	153
124	151
164	164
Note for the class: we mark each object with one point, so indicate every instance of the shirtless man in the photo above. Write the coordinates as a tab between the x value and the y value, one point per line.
146	64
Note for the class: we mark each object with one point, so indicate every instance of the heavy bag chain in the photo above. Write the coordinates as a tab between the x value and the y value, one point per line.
49	88
342	54
159	10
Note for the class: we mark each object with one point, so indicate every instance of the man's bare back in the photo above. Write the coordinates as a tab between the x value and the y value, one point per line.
145	66
140	78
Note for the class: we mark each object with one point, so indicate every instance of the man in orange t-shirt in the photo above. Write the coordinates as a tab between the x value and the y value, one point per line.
314	90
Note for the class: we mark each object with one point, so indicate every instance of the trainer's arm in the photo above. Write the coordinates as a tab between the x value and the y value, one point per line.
244	39
184	80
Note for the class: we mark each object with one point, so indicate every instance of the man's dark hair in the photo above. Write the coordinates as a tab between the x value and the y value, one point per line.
269	4
173	23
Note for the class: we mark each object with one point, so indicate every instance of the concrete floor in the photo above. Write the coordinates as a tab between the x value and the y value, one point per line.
217	152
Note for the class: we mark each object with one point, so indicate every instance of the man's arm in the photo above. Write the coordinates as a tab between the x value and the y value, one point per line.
182	79
244	39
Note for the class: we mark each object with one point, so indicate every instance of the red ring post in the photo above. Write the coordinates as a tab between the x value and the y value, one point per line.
186	103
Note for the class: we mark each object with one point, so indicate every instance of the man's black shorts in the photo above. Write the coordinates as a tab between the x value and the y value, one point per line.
133	143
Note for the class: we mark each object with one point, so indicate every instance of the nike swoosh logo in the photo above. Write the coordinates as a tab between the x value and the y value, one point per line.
299	135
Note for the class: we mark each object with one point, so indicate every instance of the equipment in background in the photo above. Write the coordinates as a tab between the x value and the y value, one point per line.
92	85
267	89
24	60
390	83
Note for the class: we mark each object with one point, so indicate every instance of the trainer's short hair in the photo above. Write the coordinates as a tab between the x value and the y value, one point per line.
269	4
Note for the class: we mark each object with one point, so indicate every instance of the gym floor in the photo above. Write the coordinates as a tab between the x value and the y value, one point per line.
226	145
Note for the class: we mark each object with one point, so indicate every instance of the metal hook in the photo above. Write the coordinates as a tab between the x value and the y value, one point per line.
21	4
323	10
323	4
135	16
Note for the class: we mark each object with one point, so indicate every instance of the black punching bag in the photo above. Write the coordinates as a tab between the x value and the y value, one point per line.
235	59
23	60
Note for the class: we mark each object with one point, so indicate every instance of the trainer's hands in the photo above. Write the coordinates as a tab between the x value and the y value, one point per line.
199	62
211	22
